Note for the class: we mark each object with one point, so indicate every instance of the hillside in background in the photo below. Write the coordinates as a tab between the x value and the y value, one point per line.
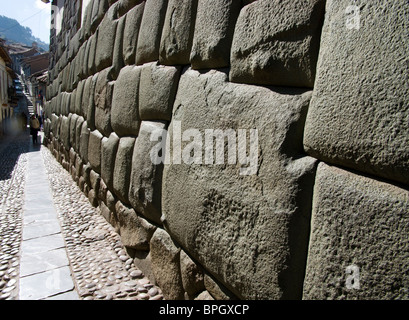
13	31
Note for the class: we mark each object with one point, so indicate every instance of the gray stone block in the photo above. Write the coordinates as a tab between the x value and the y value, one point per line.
157	91
92	43
150	31
125	6
166	266
146	177
359	110
246	222
131	32
135	231
192	275
73	130
94	150
91	102
78	129
177	34
65	132
102	101
213	33
122	169
124	113
277	42
118	59
109	150
106	40
359	244
85	98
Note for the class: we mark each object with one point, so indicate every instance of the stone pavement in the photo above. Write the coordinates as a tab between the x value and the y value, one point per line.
54	244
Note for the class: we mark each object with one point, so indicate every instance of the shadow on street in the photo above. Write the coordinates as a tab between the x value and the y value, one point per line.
12	146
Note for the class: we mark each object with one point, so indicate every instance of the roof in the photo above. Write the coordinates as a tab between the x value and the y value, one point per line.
40	76
5	55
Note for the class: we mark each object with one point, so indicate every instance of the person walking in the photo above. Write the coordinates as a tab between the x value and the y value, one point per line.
34	127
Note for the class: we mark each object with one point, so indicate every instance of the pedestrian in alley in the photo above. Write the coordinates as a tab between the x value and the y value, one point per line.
34	127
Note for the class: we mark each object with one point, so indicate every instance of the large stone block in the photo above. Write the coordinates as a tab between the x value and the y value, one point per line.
192	276
157	91
117	56
102	100
135	231
213	33
73	130
146	176
91	102
166	266
277	42
131	32
150	31
65	132
94	150
177	33
245	220
85	97
84	140
109	150
106	40
92	47
125	113
359	248
122	168
359	111
125	6
78	129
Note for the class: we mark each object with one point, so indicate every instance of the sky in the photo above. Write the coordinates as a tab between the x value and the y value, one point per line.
34	14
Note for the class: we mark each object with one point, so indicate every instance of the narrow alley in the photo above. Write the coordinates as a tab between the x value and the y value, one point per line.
53	243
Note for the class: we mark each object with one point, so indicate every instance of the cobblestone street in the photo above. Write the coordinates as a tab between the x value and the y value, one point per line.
53	243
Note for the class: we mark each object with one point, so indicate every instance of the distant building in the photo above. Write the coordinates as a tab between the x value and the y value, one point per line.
38	87
7	91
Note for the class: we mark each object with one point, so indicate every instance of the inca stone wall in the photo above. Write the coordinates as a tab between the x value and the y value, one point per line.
323	212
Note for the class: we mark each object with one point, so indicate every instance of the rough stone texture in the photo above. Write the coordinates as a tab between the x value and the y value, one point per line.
192	275
109	150
135	232
94	150
357	221
165	265
103	100
177	34
131	32
360	102
117	56
205	295
221	212
217	290
125	5
73	130
91	104
124	113
146	177
150	31
213	33
277	42
122	169
65	132
157	91
78	128
106	40
84	141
